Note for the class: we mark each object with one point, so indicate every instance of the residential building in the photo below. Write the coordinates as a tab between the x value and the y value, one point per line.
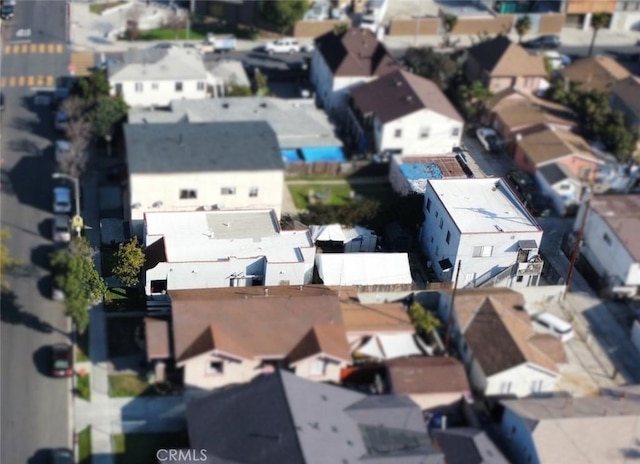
432	382
512	113
343	61
595	73
342	239
596	429
186	166
410	175
466	445
225	75
500	64
154	76
579	12
281	418
225	336
213	249
312	131
365	269
480	226
624	97
611	243
402	113
626	16
494	337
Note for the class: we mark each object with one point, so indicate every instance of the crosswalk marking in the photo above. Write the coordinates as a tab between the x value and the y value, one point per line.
33	48
21	80
40	81
28	81
12	81
31	81
3	81
49	81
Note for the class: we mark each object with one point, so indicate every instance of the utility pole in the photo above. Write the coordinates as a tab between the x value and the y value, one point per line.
447	338
576	249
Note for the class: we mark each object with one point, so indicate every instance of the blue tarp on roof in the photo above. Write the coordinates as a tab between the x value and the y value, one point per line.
290	156
312	155
417	171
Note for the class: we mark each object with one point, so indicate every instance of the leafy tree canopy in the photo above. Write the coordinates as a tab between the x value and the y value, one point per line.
441	68
107	112
6	260
283	13
422	319
90	87
129	261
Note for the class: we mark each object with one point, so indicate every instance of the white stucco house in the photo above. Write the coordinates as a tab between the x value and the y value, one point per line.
611	242
480	225
212	249
343	61
155	76
495	339
201	166
401	113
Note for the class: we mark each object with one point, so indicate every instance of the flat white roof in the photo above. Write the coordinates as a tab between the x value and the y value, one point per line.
201	236
483	206
364	268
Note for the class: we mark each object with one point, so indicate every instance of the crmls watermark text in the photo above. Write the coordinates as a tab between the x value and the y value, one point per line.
181	455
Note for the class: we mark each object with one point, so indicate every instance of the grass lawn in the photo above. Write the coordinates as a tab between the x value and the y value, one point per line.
83	387
128	385
116	298
98	8
141	448
170	34
337	194
82	346
84	446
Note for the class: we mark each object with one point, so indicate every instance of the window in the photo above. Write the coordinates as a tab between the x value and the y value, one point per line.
318	367
215	367
441	223
482	251
253	192
429	204
519	278
138	87
425	132
200	86
536	386
178	86
606	239
448	237
154	86
186	194
119	89
228	191
505	387
398	133
455	132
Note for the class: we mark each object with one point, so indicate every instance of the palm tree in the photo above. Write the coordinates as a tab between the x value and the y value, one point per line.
598	21
523	26
449	22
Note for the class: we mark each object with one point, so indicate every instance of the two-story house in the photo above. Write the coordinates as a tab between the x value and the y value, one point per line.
402	113
595	73
479	226
189	166
211	249
154	76
611	242
500	64
344	60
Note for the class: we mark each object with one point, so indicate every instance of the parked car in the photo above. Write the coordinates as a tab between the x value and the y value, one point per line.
1	101
62	200
7	10
61	121
555	326
488	138
214	43
60	229
544	42
57	294
62	456
61	360
520	181
284	45
62	149
556	59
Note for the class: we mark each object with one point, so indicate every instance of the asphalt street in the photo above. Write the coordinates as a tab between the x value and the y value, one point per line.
34	411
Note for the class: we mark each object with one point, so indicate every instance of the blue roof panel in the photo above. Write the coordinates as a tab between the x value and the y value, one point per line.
417	171
312	155
290	156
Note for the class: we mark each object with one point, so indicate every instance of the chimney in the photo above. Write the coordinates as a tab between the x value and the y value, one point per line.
266	292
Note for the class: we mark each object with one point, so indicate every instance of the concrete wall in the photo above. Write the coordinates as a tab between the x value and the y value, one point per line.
551	23
415	27
316	28
158	92
626	21
523	380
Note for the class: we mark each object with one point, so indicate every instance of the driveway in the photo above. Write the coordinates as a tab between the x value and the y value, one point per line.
483	163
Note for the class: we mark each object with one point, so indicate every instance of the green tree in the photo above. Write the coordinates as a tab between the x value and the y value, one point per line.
523	26
262	86
235	90
106	113
340	28
449	22
441	68
90	87
598	21
471	100
129	259
76	275
283	14
7	262
423	320
617	136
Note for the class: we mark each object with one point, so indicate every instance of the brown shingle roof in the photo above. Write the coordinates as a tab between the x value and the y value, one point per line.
401	93
622	214
426	375
328	339
595	73
157	338
501	57
550	144
355	52
252	321
516	109
628	90
379	317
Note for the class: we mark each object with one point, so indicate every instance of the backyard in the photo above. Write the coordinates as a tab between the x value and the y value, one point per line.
336	192
141	448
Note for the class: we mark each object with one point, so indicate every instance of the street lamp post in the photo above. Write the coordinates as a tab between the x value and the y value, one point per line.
77	221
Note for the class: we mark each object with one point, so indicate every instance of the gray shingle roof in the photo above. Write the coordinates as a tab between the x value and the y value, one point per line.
552	173
468	446
197	147
158	64
282	418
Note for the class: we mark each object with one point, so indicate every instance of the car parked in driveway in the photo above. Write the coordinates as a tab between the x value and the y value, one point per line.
283	45
555	326
488	138
62	200
544	42
61	360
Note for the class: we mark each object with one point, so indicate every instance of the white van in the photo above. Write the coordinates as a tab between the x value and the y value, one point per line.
555	326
